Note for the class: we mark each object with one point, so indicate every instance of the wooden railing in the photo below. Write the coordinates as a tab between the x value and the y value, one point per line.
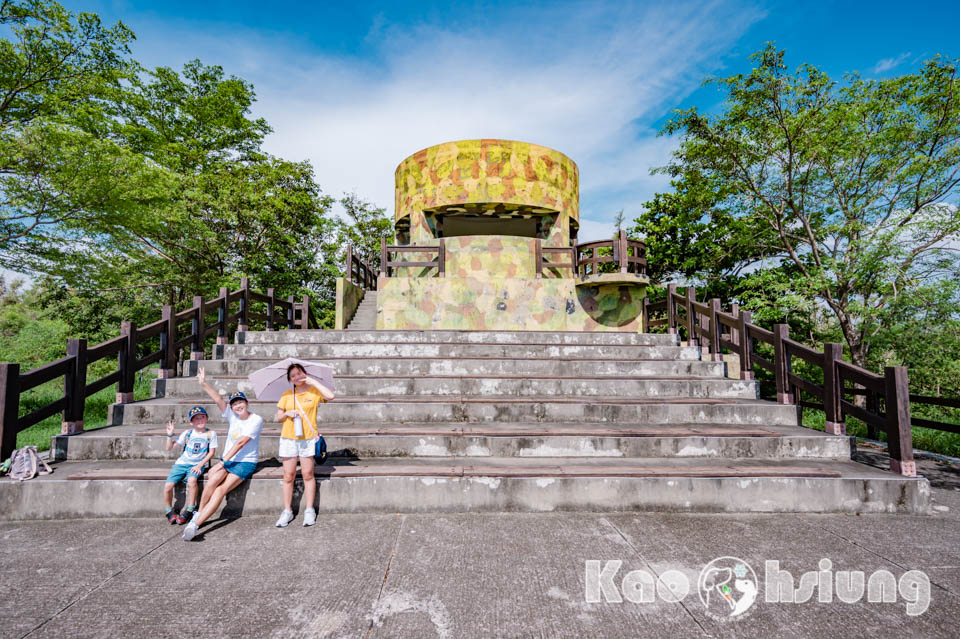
887	396
629	255
135	349
359	273
387	265
542	252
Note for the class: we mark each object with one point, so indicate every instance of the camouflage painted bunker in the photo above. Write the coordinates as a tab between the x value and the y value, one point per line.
506	215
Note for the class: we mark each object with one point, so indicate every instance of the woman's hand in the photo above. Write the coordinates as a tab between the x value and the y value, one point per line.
291	414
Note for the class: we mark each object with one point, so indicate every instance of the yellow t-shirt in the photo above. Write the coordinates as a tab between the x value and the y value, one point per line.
309	400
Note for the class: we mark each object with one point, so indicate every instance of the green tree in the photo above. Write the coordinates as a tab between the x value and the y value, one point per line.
848	189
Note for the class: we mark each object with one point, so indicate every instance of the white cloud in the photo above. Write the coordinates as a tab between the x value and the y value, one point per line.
889	63
587	80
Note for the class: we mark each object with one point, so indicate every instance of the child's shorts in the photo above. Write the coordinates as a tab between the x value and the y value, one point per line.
179	472
243	470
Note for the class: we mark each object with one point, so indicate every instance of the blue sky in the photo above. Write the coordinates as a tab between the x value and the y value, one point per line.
356	87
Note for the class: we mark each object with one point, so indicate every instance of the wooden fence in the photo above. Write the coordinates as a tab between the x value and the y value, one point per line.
387	264
887	397
359	273
135	349
629	255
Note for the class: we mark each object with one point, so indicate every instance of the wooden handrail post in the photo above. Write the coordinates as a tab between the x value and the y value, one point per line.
624	258
75	387
734	334
746	346
244	304
305	313
9	408
384	264
645	315
168	364
781	364
899	433
538	257
350	262
291	312
222	312
692	339
126	361
833	423
671	310
442	257
270	301
716	349
196	328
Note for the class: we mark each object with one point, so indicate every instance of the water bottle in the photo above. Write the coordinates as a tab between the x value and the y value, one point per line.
298	426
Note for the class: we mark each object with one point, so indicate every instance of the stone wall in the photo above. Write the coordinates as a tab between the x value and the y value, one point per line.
349	296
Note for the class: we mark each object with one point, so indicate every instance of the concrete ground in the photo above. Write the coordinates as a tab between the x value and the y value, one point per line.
463	575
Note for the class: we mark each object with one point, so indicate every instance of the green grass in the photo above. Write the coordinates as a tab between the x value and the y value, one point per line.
934	441
95	411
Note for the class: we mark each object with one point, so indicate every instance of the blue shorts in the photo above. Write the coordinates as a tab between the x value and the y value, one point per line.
243	470
179	472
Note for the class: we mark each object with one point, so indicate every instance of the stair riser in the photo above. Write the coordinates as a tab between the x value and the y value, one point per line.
65	499
461	337
533	412
454	351
187	387
152	447
493	366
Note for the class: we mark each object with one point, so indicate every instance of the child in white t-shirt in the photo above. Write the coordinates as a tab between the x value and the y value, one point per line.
199	445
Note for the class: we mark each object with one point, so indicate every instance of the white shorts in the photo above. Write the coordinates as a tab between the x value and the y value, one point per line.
297	447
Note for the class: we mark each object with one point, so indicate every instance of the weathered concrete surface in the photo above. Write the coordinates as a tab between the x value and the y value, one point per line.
455	575
452	484
484	385
458	337
365	318
553	366
348	298
497	440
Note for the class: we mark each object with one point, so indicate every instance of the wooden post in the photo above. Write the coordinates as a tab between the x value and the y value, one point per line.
538	257
645	316
291	312
244	304
781	364
671	310
126	361
222	312
9	408
270	295
716	350
75	388
746	346
384	264
622	242
196	328
833	416
692	339
899	433
305	313
442	257
350	262
735	334
168	363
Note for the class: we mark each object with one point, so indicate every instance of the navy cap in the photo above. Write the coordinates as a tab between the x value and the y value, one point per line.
196	410
236	396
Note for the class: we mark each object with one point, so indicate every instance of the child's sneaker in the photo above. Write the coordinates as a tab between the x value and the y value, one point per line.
190	532
182	518
309	517
285	518
171	516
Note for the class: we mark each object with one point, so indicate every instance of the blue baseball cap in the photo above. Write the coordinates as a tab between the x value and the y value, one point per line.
196	410
234	397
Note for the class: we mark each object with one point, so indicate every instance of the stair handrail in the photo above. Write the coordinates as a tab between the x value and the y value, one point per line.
73	368
358	272
888	398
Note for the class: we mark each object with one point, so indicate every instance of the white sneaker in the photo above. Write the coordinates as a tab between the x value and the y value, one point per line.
190	531
285	518
309	517
196	515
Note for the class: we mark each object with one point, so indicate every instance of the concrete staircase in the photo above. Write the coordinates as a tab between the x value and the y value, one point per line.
365	318
454	421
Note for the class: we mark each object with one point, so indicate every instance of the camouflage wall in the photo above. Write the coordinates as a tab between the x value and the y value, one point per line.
509	304
500	176
349	296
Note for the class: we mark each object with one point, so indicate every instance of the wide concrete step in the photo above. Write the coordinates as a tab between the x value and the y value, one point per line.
455	337
454	351
484	385
548	410
456	484
730	441
491	366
